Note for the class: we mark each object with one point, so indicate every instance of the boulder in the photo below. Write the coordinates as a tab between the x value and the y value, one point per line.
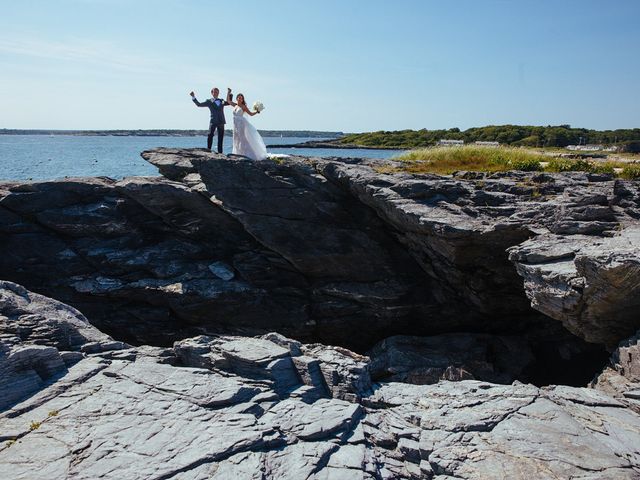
591	285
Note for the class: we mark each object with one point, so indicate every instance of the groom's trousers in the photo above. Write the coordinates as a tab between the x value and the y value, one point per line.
212	131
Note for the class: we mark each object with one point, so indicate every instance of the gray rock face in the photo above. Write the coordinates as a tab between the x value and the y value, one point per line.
427	360
134	255
40	320
478	430
465	232
580	266
154	260
621	378
252	408
328	250
39	339
591	284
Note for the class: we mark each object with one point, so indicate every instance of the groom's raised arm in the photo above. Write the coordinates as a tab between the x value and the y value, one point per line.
199	104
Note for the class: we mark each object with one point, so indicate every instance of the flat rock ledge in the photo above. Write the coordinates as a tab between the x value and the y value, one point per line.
76	404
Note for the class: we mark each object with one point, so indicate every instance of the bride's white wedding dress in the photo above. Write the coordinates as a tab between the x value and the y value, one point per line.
246	139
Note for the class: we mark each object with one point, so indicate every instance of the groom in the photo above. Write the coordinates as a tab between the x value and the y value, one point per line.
216	107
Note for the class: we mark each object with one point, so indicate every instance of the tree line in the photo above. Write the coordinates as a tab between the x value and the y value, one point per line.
516	135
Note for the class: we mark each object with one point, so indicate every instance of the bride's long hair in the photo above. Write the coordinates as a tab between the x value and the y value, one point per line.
238	99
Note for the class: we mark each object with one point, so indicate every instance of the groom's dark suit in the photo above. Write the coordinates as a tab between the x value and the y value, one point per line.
217	122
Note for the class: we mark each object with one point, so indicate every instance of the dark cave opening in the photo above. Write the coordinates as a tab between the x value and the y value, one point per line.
555	356
553	366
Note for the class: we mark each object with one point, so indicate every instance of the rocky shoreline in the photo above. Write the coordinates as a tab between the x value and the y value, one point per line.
471	326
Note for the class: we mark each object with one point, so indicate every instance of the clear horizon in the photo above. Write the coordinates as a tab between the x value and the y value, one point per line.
324	66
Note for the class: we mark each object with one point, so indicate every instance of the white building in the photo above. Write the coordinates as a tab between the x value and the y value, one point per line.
586	148
450	143
488	144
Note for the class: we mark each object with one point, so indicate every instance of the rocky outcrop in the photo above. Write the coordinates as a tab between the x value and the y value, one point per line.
457	229
460	228
621	377
39	339
313	370
153	261
88	243
270	407
590	284
433	277
331	251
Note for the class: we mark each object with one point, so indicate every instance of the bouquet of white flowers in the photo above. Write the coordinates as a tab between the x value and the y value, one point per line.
258	107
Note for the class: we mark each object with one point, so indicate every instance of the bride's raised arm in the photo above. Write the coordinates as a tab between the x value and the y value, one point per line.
229	98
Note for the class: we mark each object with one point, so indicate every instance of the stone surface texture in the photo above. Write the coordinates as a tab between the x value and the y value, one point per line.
269	407
329	250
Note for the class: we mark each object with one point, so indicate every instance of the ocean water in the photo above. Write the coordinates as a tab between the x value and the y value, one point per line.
42	157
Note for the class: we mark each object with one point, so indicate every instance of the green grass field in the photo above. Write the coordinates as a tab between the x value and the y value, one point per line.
446	160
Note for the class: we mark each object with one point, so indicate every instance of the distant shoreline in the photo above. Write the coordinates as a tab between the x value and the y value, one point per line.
166	133
330	144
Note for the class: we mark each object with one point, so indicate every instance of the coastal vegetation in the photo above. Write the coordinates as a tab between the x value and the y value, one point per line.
446	160
513	135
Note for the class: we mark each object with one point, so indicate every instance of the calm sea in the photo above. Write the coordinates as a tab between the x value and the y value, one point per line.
41	157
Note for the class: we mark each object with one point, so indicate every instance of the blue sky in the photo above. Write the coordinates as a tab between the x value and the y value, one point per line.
327	65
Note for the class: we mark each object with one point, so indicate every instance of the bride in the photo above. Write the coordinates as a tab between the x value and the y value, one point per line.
246	139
